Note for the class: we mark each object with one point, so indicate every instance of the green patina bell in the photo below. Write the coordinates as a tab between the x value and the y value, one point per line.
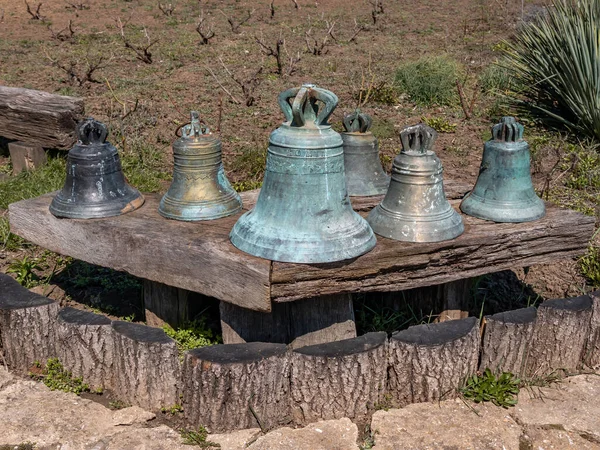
199	190
303	213
415	208
504	191
364	174
95	186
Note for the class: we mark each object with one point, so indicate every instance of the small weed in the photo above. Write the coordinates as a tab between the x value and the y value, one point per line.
439	124
381	92
386	404
173	409
118	404
590	265
242	186
192	335
487	387
586	170
368	439
198	438
58	379
429	81
384	129
24	270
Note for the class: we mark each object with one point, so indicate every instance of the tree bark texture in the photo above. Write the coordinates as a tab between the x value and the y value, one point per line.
560	336
430	362
147	366
339	379
237	386
85	346
506	341
592	352
27	325
38	117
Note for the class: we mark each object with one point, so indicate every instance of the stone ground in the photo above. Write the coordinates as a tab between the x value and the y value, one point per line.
563	416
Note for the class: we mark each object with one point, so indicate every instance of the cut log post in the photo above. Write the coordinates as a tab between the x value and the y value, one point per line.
228	387
27	325
85	346
339	379
305	322
39	117
560	336
592	352
168	304
147	366
506	341
430	362
25	156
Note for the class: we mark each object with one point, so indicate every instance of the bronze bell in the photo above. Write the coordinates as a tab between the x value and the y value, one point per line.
415	208
199	190
303	213
95	186
504	191
364	174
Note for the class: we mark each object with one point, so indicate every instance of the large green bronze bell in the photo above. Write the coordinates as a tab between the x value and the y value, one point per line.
303	213
95	186
364	174
504	191
415	208
199	190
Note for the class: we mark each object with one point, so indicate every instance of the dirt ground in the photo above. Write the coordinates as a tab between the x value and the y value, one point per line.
145	102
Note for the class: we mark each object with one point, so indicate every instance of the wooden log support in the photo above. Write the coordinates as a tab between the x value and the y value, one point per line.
229	387
38	117
147	366
305	322
25	156
592	352
85	346
168	304
27	325
560	336
339	379
506	341
429	362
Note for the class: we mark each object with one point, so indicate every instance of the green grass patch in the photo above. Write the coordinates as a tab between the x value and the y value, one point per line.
57	378
590	265
429	81
24	271
198	437
144	166
439	124
501	390
384	129
191	335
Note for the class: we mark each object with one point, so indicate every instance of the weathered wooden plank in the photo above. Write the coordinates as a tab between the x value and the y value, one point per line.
25	156
38	117
193	256
485	247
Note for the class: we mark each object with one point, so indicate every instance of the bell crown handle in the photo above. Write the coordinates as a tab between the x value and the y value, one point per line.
304	109
195	128
508	130
90	131
418	138
357	121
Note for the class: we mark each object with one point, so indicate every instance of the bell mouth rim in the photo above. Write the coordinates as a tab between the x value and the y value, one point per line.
96	210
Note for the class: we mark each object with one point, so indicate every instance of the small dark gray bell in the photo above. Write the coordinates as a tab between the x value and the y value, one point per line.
415	208
504	191
364	174
95	186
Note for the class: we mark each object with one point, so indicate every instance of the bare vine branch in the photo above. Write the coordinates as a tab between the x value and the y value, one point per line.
204	30
142	52
35	15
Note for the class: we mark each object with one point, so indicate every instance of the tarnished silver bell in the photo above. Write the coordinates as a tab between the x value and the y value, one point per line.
303	213
200	189
504	191
95	185
415	208
364	174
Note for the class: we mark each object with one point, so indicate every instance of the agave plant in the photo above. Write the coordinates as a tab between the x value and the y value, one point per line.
557	59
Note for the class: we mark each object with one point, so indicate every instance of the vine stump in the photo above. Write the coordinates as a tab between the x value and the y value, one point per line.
506	340
592	352
237	386
147	367
85	346
560	336
339	379
27	325
429	362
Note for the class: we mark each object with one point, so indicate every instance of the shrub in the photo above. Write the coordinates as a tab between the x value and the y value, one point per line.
557	60
590	266
429	80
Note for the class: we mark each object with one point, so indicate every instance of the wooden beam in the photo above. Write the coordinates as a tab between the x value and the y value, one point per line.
193	256
38	117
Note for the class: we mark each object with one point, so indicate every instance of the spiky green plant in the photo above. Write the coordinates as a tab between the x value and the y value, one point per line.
557	60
